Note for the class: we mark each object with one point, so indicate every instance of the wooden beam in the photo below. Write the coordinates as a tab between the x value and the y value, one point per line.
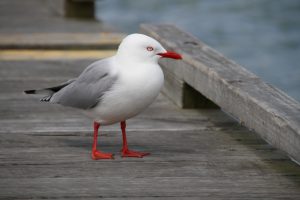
259	106
99	40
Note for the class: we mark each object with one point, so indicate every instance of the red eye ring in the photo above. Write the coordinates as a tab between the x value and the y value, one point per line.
149	48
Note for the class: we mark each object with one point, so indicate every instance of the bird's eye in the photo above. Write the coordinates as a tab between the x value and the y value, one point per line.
150	48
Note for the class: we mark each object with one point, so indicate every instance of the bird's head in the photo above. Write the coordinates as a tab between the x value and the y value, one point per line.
141	48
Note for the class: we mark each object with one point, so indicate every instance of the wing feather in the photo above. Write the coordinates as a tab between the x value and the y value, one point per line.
86	91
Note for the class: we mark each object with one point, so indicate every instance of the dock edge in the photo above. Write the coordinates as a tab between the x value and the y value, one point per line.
256	104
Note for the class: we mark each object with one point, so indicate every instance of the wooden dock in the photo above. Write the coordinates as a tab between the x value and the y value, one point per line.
196	153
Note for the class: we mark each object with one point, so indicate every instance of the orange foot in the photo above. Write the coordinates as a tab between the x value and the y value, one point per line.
136	154
96	155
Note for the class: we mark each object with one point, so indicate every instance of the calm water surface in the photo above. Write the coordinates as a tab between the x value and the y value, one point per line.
261	35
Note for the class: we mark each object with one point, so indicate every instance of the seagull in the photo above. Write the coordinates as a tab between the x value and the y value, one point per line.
115	89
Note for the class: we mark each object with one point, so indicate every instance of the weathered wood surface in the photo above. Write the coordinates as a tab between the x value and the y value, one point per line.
254	103
45	149
98	40
38	24
196	154
54	54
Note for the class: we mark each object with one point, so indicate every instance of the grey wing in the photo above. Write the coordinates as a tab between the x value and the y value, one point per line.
86	91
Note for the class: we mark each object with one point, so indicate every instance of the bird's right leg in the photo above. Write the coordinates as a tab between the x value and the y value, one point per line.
95	153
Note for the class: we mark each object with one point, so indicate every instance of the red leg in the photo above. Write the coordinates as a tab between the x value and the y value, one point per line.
125	151
95	153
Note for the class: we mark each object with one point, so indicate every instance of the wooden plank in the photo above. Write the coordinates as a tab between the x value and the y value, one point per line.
58	166
99	40
254	103
54	54
140	187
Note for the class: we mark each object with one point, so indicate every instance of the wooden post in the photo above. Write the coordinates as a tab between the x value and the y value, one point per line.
79	8
179	91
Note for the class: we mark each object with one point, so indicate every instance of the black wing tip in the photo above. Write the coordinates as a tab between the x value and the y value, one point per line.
29	91
46	99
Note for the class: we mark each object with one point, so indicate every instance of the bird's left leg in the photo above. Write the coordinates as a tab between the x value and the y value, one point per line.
125	151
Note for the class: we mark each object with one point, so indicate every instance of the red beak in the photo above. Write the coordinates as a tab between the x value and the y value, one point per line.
170	54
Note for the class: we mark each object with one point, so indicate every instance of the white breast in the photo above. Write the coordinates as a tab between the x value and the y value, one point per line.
135	89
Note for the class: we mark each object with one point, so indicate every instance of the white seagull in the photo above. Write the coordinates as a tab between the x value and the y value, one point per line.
115	89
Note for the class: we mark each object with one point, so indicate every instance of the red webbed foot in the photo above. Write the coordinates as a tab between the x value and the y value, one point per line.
125	151
135	154
97	155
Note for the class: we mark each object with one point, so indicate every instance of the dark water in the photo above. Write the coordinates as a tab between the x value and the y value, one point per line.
261	35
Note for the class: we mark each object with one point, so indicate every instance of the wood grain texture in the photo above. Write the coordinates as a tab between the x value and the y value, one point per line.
195	153
254	103
45	148
78	40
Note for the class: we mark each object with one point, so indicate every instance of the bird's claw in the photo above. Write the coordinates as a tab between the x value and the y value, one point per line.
136	154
